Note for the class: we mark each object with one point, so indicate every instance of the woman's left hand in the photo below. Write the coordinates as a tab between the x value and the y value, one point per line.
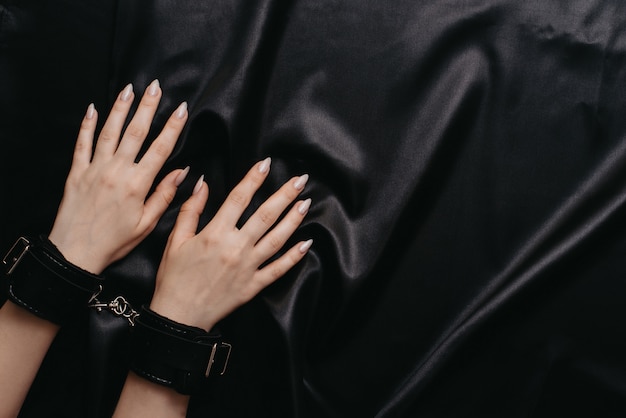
104	213
204	276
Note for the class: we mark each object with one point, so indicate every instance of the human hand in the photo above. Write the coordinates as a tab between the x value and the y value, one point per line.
205	276
104	213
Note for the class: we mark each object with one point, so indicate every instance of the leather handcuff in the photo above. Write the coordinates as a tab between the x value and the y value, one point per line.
163	351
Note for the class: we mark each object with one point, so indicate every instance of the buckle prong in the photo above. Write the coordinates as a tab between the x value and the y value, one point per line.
12	259
212	358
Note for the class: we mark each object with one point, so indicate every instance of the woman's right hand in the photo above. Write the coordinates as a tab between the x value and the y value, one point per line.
205	276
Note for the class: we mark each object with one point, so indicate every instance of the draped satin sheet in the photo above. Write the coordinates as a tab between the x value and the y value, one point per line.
468	177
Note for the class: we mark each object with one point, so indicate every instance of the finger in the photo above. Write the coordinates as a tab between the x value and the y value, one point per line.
189	215
277	268
161	198
271	243
138	128
239	198
163	145
112	129
84	142
267	214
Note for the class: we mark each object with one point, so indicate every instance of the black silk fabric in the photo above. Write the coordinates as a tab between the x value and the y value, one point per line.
468	177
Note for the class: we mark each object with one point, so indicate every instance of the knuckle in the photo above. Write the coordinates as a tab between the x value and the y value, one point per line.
81	145
230	258
188	206
238	198
209	241
133	189
266	217
275	243
276	272
136	132
107	181
119	107
168	195
161	149
107	136
171	130
150	102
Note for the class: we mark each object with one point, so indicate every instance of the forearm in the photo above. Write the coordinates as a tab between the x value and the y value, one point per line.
92	229
24	341
141	397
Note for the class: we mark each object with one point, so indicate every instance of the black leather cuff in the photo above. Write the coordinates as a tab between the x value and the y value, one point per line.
176	355
42	281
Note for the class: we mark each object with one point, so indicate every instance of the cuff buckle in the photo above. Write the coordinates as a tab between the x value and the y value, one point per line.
16	253
214	351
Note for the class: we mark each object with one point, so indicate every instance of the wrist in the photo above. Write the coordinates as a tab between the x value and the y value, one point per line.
180	312
176	355
79	254
141	396
43	282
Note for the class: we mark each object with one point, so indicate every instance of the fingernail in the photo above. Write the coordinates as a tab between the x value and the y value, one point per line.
153	89
91	111
301	182
181	176
264	167
304	207
182	110
304	247
128	90
198	185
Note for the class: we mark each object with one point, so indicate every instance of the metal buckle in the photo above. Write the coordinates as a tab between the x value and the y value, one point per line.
12	258
212	358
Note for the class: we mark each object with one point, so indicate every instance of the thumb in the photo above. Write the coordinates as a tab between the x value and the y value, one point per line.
159	201
187	221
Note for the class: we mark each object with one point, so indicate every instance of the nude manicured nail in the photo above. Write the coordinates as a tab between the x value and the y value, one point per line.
198	185
303	208
91	111
127	92
264	167
305	246
301	182
182	110
153	89
181	176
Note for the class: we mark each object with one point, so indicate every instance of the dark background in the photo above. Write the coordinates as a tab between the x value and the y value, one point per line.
468	177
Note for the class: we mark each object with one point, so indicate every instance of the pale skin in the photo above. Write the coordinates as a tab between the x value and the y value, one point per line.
106	211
